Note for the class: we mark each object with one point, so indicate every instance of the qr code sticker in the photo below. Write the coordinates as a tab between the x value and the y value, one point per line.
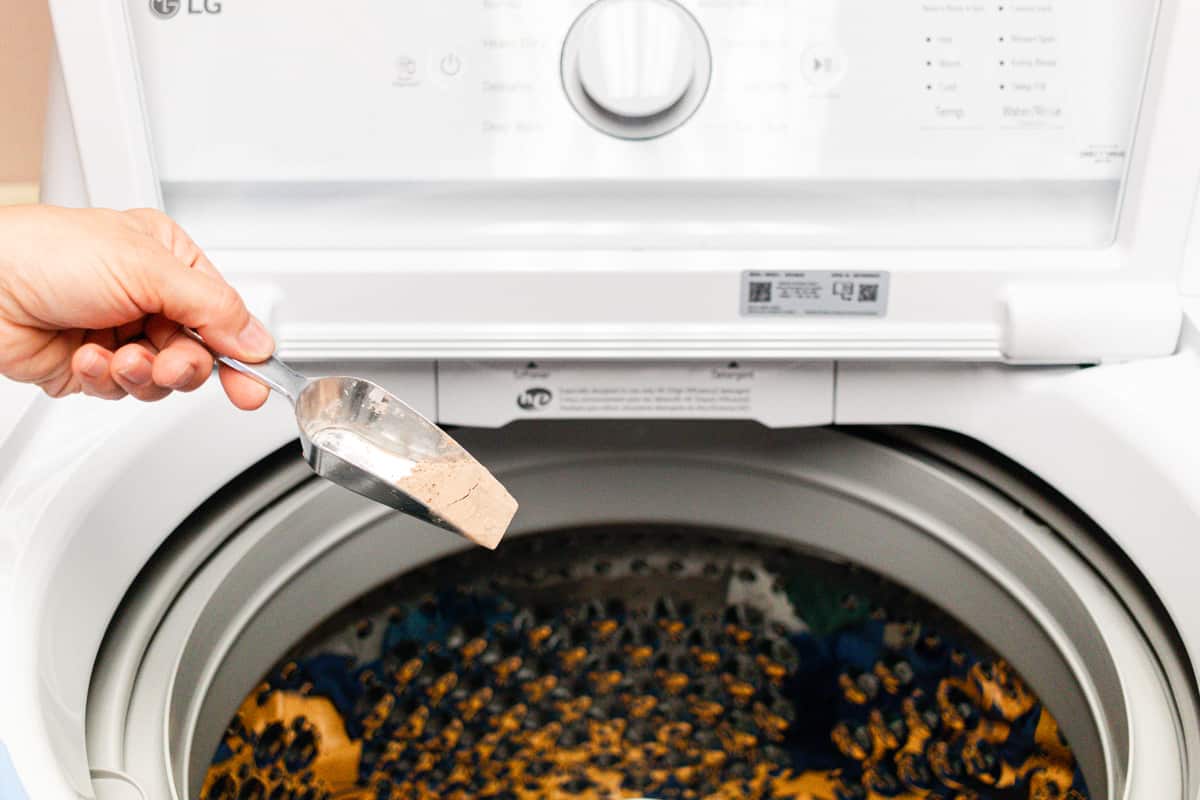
760	292
868	292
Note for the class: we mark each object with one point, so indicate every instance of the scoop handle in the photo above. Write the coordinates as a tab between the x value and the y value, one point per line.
272	373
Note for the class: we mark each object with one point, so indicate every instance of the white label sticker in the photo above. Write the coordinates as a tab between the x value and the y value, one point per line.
814	294
775	394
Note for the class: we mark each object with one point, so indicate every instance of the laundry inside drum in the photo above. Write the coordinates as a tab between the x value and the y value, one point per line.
642	662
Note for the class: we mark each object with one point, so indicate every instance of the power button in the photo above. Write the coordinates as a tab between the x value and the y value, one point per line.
450	65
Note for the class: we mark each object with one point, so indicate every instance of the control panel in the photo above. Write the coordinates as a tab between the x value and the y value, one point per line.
554	90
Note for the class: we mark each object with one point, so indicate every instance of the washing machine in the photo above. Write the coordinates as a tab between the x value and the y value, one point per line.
843	357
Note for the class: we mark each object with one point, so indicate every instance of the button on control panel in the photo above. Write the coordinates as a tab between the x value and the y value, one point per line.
451	65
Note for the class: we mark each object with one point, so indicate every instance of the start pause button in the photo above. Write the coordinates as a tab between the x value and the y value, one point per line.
823	66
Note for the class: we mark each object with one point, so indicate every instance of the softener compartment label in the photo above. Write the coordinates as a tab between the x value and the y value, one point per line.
777	394
814	294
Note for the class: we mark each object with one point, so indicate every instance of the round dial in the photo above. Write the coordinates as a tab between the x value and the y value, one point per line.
636	57
636	69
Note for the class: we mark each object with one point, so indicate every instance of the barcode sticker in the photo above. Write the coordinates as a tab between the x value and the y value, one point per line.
814	294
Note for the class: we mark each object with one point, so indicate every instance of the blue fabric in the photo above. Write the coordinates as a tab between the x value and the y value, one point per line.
10	787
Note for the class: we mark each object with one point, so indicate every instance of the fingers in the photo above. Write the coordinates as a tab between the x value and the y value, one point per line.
40	357
214	309
92	365
150	369
245	392
182	364
132	368
196	296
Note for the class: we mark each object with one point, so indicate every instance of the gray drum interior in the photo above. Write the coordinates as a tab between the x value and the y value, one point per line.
279	552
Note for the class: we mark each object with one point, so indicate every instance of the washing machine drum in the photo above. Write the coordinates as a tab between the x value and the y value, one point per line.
683	611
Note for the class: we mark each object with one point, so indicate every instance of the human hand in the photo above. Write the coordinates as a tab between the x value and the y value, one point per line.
93	301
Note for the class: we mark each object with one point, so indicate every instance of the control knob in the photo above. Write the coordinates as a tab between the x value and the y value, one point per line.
636	69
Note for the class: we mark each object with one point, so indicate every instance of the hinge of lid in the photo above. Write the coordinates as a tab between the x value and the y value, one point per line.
1079	322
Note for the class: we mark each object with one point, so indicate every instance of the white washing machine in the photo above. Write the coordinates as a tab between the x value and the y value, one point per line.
756	289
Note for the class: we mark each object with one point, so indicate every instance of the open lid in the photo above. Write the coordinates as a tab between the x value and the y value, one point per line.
1003	180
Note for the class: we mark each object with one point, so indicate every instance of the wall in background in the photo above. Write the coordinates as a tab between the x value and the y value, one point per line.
24	61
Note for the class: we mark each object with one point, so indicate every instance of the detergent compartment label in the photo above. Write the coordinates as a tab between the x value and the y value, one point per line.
814	293
777	394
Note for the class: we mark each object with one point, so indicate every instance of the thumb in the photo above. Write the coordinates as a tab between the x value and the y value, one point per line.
210	306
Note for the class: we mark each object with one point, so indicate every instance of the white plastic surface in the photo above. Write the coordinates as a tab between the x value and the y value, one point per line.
90	496
654	306
1088	324
103	84
16	399
62	182
1190	283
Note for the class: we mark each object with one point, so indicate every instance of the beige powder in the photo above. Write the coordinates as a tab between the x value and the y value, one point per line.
457	489
464	494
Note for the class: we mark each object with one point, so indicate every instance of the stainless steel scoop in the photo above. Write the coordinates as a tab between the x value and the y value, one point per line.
360	436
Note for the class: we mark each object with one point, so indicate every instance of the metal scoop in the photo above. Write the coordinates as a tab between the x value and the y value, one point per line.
360	436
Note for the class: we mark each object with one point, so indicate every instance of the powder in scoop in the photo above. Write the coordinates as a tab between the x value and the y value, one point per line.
457	489
464	494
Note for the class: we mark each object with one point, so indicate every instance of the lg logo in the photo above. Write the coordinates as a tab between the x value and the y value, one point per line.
165	9
534	399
